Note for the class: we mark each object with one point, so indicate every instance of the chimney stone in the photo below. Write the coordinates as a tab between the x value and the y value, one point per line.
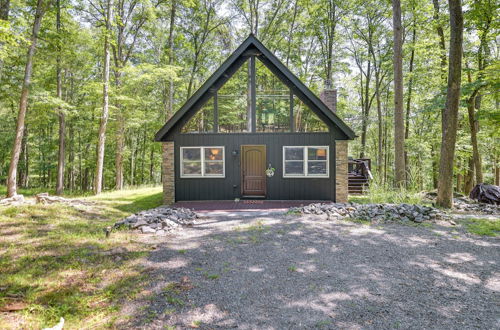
329	97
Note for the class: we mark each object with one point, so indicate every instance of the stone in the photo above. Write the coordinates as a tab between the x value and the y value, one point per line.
147	230
138	224
161	218
168	176
373	212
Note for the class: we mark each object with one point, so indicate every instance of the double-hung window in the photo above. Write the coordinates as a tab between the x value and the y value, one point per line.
305	161
202	162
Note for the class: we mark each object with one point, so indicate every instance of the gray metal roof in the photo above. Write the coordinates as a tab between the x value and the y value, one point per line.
251	46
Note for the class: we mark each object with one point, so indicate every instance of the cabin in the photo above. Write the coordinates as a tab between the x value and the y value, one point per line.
253	130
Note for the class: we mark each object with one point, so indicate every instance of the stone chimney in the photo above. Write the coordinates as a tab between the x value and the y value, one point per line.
329	97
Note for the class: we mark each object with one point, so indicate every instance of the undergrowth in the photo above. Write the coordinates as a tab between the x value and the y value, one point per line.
378	194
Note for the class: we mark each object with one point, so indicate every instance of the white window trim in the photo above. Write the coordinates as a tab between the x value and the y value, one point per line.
305	161
202	157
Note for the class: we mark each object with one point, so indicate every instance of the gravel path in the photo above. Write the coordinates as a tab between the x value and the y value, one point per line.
268	271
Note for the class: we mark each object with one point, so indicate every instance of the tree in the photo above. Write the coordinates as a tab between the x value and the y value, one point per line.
399	121
4	9
170	45
23	102
105	104
450	113
62	120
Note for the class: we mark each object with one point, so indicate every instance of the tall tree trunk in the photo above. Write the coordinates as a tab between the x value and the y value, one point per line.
170	109
408	100
71	174
442	43
496	168
151	164
399	123
120	147
24	169
450	114
62	121
380	128
434	167
442	47
366	109
23	103
471	102
105	107
4	15
469	176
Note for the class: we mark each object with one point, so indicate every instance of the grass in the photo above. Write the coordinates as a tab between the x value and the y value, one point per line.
483	227
56	261
379	194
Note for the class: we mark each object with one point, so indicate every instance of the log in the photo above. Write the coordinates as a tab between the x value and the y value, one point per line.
14	200
45	198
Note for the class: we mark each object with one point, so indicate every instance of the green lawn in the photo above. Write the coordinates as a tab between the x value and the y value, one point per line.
55	261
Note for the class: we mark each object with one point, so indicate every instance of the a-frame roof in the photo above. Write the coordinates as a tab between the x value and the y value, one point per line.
251	47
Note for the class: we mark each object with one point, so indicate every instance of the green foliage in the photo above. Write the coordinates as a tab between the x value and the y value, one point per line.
484	227
382	194
349	42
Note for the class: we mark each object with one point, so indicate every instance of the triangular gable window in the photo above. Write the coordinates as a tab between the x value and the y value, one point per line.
203	120
232	106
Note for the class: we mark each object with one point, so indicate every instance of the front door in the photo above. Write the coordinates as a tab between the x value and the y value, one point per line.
253	171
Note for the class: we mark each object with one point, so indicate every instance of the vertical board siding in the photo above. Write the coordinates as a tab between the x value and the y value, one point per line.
278	188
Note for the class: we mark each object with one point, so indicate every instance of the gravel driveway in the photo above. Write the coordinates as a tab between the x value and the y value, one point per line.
270	271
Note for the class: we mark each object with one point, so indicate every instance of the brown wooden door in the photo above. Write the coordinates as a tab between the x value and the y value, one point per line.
253	170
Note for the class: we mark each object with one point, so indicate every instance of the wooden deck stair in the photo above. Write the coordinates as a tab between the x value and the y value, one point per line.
359	176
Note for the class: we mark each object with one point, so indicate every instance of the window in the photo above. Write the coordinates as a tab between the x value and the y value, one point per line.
272	102
202	121
311	161
305	119
233	103
202	162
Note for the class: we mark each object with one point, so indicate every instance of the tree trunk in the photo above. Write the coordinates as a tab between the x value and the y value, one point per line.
23	103
471	101
497	173
105	108
408	100
62	121
459	182
4	9
442	44
399	123
469	177
71	174
4	15
450	114
366	109
380	129
170	109
24	169
151	164
120	148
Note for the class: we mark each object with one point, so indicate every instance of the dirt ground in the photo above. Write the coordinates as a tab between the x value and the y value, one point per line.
261	270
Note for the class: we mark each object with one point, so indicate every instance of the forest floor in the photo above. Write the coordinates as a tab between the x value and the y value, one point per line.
252	270
55	261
